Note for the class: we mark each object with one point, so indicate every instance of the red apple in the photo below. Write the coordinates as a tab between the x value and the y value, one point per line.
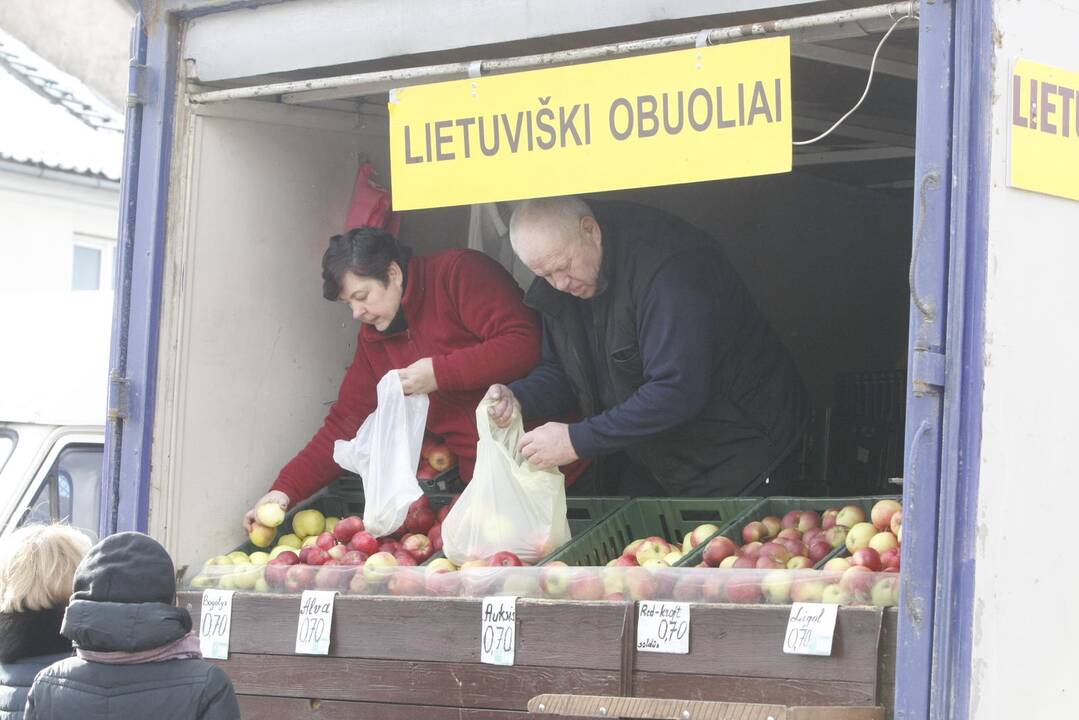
418	546
754	532
358	585
714	588
819	549
794	547
441	458
354	557
745	563
626	561
773	524
419	520
653	548
812	534
333	577
767	563
317	556
882	513
897	522
866	557
443	582
435	536
890	559
305	553
640	584
378	567
405	582
789	533
718	548
337	552
700	534
430	442
751	550
586	585
631	549
426	472
443	511
277	570
857	581
404	558
388	546
326	541
790	520
504	559
836	535
346	528
775	551
743	590
827	518
364	542
688	588
300	577
808	520
800	562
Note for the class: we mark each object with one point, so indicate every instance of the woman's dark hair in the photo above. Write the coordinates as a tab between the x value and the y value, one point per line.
365	251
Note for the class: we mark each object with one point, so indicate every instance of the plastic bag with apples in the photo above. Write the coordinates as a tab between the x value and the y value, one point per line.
385	453
510	505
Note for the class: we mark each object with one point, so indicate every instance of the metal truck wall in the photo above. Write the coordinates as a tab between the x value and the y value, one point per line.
1025	629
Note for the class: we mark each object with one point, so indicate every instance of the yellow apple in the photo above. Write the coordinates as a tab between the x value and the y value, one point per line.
259	558
307	523
331	522
270	514
292	540
239	557
261	536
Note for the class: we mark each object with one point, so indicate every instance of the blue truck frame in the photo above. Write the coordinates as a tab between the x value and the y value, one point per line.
946	331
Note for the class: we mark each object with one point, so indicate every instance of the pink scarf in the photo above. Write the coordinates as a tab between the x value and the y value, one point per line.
182	649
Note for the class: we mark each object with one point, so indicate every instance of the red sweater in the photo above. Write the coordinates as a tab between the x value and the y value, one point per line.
463	311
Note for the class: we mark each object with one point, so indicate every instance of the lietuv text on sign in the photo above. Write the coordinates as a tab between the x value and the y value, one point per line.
676	117
1043	152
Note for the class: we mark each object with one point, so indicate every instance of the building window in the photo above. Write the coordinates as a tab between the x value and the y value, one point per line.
91	263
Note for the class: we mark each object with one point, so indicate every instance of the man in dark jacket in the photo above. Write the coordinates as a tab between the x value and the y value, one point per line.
136	656
650	333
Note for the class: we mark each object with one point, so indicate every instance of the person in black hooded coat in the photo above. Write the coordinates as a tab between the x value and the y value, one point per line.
37	564
136	656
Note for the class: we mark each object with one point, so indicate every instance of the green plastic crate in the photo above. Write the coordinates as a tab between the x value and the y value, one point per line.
780	506
669	518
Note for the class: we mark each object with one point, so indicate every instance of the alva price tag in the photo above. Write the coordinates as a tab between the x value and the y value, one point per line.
215	624
663	627
313	627
498	633
810	629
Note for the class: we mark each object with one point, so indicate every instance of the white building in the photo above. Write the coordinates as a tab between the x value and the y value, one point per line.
61	152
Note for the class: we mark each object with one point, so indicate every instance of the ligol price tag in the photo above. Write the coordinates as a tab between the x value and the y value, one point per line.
215	624
498	634
313	627
810	629
663	627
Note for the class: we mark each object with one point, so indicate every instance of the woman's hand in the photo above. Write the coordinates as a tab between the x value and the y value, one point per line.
418	378
274	496
506	405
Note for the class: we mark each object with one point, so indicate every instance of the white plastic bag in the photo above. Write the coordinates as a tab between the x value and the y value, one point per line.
385	454
510	504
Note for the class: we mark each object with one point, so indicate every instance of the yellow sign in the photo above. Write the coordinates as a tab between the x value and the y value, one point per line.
677	117
1044	153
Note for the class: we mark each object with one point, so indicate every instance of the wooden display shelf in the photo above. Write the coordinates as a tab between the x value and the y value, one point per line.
419	658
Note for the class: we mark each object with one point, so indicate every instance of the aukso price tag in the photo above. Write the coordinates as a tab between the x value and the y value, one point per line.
810	629
663	627
313	627
498	634
215	624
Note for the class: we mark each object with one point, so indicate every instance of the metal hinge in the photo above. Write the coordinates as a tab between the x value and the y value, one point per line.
119	390
928	375
138	81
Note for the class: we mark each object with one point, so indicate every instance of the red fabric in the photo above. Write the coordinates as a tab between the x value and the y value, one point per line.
371	205
464	311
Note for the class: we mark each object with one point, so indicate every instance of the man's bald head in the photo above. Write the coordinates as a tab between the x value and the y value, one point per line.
560	240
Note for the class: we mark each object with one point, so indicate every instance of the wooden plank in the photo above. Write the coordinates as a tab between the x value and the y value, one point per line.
887	657
752	689
746	641
422	683
262	706
549	633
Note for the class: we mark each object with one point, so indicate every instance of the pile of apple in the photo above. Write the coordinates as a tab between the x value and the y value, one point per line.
435	457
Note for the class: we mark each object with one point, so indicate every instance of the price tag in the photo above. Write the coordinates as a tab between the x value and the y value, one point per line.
498	635
810	629
316	617
663	627
215	623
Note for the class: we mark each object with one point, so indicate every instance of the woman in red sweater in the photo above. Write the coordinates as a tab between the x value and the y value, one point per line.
452	324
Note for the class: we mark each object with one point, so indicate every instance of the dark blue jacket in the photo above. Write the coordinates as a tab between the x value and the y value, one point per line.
29	643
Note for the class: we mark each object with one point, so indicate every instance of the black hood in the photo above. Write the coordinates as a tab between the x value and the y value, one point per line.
32	633
128	567
124	594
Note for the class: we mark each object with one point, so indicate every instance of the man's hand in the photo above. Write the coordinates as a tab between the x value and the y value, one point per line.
274	496
548	446
506	406
418	378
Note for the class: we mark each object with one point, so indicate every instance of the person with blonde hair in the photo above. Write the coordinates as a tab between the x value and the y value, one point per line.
37	570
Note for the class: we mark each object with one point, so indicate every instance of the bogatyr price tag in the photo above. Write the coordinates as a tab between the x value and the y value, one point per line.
498	635
215	624
663	627
313	627
810	629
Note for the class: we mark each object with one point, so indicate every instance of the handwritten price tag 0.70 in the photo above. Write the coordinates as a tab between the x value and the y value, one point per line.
215	624
316	618
663	627
498	634
810	629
